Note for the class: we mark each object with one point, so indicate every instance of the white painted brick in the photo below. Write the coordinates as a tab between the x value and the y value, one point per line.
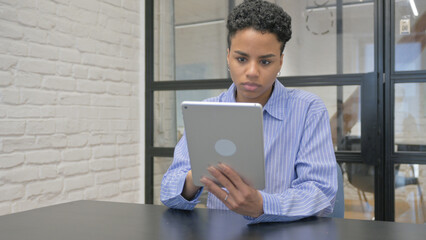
107	191
44	187
11	192
91	86
88	112
3	113
24	205
108	101
12	127
104	151
30	80
78	182
127	138
28	17
131	77
70	169
108	177
27	4
43	51
64	69
29	112
70	126
123	89
59	83
77	154
15	48
98	125
108	138
24	143
46	22
63	25
5	208
10	96
80	71
129	53
133	17
102	164
91	5
127	162
38	97
43	157
69	55
91	193
96	73
8	13
114	113
106	36
35	35
113	75
78	140
94	140
37	66
48	172
13	31
35	127
61	40
116	3
85	17
119	25
6	62
11	160
52	141
112	11
129	173
118	125
108	49
46	6
126	150
65	2
127	186
75	195
131	5
132	197
74	99
21	175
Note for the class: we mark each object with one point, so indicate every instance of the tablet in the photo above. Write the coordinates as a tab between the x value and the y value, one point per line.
230	133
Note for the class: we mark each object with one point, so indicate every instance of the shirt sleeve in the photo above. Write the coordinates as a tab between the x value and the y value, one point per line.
174	180
313	191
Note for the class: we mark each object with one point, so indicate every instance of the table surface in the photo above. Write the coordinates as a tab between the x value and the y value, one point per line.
107	220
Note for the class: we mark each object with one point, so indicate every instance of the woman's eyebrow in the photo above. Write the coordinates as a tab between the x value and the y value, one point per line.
246	55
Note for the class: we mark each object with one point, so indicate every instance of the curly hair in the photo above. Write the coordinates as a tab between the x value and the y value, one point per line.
262	16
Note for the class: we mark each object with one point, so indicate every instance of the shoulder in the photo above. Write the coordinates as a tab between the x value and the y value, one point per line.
305	100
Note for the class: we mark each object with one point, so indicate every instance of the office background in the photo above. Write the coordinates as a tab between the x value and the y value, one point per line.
76	122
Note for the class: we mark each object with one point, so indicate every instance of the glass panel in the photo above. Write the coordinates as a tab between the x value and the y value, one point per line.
410	26
358	188
410	117
168	121
161	164
190	40
410	184
345	123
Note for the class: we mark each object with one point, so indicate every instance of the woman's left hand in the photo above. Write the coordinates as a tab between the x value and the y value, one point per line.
242	198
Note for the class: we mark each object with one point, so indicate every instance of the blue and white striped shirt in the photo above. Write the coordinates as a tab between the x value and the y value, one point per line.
300	165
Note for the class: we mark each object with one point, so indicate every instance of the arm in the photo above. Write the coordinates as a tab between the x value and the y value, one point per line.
177	188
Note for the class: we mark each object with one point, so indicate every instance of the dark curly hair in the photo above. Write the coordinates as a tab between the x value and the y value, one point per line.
262	16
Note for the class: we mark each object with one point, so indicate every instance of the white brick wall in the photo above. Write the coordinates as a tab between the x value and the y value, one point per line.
69	112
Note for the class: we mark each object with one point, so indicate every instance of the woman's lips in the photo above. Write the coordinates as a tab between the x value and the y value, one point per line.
250	86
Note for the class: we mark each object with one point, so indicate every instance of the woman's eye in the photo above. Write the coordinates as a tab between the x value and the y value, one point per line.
241	59
265	62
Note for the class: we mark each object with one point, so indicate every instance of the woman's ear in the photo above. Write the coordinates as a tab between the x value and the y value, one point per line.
227	56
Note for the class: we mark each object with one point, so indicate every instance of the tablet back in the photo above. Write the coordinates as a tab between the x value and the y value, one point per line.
231	133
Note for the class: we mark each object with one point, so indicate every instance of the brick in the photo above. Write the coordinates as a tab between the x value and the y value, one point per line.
96	73
21	175
85	17
126	150
27	4
114	2
127	138
10	96
30	80
61	39
108	177
13	31
88	112
108	191
119	25
129	53
5	208
69	55
127	186
108	49
86	45
59	83
91	193
78	182
131	77
123	89
13	192
24	143
106	36
43	157
131	5
71	126
77	154
126	162
73	99
45	187
133	17
35	35
113	75
108	101
78	140
46	6
53	141
7	62
63	25
43	51
64	69
11	160
15	48
112	11
107	138
29	112
130	173
90	5
35	127
103	164
70	169
114	113
118	125
69	112
104	151
80	71
90	86
14	127
37	66
28	17
8	13
46	23
37	97
48	172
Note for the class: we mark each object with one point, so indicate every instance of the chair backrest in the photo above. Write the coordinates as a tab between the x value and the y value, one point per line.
339	205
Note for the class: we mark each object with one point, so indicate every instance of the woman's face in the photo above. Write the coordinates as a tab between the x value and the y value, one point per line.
254	60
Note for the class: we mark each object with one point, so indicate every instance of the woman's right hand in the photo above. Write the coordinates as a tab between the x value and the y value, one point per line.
189	189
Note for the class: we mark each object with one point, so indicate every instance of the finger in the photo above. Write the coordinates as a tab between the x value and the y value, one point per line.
224	180
232	175
214	189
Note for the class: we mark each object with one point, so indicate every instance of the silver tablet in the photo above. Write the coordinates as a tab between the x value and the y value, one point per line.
230	133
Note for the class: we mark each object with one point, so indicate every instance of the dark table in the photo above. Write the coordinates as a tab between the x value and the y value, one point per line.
106	220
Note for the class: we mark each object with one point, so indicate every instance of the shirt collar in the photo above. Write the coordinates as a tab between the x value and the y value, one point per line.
274	106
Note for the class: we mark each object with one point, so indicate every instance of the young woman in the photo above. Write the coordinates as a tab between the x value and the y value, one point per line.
300	165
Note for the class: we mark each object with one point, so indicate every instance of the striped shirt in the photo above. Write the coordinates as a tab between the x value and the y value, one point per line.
300	165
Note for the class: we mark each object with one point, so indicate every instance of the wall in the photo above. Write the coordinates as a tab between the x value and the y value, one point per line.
69	102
